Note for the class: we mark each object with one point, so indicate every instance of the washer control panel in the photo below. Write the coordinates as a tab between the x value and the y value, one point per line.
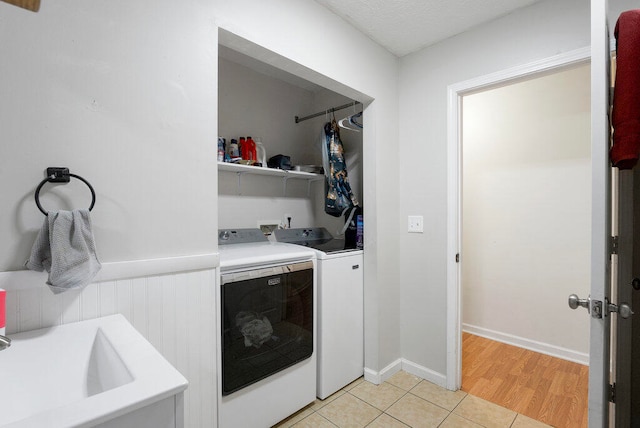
240	236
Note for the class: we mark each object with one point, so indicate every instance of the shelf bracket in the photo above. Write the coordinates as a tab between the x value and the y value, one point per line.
239	183
285	178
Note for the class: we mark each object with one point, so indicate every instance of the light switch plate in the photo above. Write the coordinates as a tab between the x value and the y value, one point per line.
416	224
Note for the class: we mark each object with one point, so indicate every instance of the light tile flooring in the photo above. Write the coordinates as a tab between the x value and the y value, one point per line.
404	401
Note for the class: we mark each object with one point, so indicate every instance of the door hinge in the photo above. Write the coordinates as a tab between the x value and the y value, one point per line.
612	392
458	258
614	245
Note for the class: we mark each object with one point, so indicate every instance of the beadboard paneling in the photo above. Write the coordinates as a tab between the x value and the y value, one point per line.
175	312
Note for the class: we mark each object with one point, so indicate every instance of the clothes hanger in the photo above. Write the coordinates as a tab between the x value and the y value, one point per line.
346	124
353	119
350	122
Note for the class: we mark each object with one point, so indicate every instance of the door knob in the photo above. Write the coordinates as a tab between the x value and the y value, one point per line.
623	310
575	302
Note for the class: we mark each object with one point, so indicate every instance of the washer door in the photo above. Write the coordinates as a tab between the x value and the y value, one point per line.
267	322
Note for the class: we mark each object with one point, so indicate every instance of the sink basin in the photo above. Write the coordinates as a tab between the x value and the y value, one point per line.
82	374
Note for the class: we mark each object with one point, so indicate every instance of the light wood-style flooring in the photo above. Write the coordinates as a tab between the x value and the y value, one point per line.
548	389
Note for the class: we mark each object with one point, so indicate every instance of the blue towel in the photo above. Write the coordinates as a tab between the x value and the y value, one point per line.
65	248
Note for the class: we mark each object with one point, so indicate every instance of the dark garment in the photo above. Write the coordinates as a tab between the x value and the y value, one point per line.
339	196
626	98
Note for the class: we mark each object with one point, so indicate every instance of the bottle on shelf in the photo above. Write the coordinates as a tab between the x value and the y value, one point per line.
221	149
251	150
234	150
243	148
261	153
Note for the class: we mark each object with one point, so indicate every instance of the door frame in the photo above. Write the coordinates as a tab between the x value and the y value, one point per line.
454	187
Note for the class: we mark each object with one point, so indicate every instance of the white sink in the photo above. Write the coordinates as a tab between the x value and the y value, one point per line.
82	374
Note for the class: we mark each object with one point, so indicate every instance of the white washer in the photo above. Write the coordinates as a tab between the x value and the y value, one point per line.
263	267
340	307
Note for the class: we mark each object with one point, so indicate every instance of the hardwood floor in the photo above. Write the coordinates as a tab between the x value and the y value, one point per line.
548	389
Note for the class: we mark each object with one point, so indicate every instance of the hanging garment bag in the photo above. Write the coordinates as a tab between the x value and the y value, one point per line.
339	197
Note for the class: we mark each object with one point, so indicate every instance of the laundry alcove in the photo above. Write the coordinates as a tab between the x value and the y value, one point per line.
259	94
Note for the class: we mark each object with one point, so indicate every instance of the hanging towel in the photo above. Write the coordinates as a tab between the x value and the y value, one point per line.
626	97
66	249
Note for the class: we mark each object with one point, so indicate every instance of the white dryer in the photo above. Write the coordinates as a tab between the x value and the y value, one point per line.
340	307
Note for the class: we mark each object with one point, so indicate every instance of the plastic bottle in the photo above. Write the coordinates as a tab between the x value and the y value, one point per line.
243	148
359	233
261	153
221	145
3	296
251	150
234	151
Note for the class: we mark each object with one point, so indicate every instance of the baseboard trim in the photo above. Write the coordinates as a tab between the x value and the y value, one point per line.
425	373
407	366
384	374
532	345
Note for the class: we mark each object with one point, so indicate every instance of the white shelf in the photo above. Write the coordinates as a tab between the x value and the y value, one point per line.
257	170
240	170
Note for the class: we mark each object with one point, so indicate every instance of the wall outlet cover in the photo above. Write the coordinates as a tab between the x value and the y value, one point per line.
416	224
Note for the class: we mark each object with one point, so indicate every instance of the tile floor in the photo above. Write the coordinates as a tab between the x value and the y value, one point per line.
404	401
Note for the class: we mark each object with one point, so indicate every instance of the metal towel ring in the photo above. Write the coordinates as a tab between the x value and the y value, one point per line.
61	175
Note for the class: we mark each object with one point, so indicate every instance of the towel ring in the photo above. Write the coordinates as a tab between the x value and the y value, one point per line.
61	175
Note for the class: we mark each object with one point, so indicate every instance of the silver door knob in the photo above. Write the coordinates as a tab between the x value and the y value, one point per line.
575	302
623	310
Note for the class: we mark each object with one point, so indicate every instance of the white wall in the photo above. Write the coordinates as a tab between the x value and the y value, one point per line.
526	213
540	31
123	95
251	103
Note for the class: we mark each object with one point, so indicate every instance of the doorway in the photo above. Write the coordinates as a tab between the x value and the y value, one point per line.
523	153
526	185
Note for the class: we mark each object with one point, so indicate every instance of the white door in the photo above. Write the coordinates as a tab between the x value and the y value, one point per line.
600	305
600	325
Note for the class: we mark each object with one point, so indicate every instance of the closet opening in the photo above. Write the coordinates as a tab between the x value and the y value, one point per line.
284	106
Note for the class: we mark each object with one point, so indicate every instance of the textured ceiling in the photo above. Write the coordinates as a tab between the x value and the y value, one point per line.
405	26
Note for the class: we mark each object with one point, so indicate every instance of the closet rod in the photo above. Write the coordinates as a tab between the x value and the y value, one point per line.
331	110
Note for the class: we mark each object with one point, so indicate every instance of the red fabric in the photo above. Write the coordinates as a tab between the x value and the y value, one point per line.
626	96
3	295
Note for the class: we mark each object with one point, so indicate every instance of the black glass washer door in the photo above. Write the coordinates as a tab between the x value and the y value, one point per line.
267	322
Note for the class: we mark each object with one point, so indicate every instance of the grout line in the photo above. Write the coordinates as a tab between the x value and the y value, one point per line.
404	393
331	422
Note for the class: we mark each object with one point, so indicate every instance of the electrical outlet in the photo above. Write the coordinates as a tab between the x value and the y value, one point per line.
416	224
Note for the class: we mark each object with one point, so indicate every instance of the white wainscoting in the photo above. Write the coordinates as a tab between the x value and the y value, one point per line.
174	311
